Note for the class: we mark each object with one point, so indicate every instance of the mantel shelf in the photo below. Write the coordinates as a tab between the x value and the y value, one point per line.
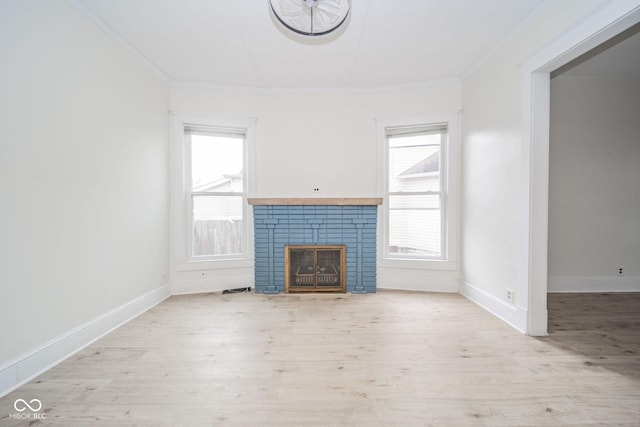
322	201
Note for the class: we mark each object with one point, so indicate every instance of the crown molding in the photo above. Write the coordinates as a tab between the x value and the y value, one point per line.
85	12
511	35
256	90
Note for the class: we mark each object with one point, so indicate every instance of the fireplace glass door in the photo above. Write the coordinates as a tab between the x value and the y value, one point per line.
316	268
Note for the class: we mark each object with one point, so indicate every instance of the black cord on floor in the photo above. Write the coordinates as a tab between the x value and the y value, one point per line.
237	290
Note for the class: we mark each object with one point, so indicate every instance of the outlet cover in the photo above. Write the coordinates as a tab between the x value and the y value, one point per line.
510	296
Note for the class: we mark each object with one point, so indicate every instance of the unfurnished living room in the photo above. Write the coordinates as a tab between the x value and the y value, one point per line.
320	212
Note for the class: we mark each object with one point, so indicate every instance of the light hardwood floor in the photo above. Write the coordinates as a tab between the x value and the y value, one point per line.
393	358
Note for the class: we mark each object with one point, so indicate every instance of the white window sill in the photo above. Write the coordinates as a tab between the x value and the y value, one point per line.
423	264
214	264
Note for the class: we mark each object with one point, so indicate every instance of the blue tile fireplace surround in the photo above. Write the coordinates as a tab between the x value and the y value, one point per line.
346	221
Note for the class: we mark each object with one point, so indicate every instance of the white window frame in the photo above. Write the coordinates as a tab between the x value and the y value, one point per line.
182	194
449	187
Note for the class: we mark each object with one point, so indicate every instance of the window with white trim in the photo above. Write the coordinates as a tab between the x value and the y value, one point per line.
416	200
216	191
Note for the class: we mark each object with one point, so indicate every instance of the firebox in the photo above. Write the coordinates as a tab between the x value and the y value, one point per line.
315	268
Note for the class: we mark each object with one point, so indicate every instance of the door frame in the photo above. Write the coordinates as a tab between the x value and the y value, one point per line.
604	24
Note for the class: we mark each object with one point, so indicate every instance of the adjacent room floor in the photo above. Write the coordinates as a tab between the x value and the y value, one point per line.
392	358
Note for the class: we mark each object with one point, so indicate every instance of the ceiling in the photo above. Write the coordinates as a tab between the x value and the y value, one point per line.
386	42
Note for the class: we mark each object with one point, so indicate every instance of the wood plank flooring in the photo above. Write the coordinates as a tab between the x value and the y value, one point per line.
389	359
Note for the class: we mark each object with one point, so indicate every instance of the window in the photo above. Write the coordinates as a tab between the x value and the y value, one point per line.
415	220
216	184
415	196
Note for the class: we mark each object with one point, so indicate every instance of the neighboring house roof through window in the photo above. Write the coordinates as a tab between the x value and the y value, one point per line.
429	165
212	186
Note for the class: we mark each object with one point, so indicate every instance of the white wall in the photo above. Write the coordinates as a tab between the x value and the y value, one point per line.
316	139
492	161
594	183
83	178
307	139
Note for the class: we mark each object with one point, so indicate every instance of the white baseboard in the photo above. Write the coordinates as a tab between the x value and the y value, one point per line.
187	287
514	315
26	367
431	285
190	282
560	284
414	279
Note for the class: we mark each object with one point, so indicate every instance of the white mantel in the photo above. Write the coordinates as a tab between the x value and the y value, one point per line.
317	201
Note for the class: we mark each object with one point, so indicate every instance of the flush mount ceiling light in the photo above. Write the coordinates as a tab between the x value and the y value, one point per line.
310	17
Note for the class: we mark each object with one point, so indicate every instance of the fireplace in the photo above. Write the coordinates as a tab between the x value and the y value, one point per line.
314	268
350	223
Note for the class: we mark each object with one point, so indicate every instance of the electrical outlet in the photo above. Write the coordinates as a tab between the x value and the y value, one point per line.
510	296
620	271
316	189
